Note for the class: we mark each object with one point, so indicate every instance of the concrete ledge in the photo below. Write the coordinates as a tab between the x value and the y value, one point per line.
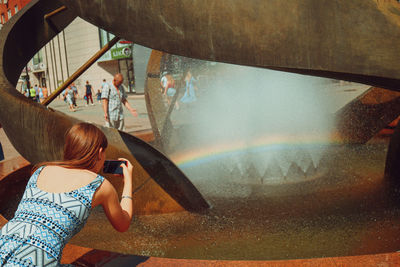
81	256
9	165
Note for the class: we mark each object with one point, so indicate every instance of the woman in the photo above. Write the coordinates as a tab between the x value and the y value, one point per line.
190	95
168	85
58	199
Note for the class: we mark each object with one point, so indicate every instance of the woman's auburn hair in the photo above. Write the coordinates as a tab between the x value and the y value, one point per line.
81	147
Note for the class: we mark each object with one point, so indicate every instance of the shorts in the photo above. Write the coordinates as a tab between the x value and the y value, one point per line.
69	100
171	91
119	124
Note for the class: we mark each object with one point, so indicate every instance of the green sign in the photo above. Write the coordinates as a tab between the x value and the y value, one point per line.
118	52
121	52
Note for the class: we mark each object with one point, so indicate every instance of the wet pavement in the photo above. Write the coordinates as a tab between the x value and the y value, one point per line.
148	235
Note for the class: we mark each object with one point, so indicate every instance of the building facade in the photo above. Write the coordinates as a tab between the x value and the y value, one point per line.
9	8
70	49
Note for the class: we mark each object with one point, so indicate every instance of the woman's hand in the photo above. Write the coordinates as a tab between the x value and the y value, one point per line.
127	169
119	211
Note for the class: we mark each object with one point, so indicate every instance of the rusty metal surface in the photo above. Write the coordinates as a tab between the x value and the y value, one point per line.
392	167
12	188
321	38
348	40
37	132
365	116
154	103
351	40
159	113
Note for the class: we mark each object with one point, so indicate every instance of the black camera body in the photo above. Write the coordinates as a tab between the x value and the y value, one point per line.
113	166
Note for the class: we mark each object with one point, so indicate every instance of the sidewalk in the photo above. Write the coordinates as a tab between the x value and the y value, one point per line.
92	114
95	113
341	93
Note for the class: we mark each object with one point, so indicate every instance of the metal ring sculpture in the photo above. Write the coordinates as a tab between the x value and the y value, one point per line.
37	132
348	40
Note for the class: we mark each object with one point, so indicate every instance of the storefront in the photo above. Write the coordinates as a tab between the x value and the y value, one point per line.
121	54
70	49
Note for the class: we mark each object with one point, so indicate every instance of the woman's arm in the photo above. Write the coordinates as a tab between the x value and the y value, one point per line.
119	213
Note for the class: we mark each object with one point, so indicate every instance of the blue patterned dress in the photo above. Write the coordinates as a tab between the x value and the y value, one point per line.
190	95
43	223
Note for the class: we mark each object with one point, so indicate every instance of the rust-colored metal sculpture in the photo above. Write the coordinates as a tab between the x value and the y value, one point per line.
365	116
347	40
37	132
159	114
316	37
154	102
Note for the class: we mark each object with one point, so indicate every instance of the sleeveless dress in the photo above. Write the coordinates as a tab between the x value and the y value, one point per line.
43	223
190	95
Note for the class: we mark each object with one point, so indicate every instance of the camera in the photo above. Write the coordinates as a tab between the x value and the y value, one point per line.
113	166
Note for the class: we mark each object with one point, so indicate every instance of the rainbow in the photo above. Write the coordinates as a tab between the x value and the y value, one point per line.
204	154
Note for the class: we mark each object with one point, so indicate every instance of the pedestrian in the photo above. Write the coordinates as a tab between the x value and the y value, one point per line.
37	92
98	96
58	200
45	92
27	93
113	97
76	94
24	88
189	95
64	95
41	96
104	83
168	86
89	91
32	94
68	97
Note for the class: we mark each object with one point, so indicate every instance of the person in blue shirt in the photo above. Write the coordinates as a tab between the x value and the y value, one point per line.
189	96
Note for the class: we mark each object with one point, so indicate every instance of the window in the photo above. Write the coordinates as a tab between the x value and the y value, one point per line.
9	14
16	9
105	37
37	58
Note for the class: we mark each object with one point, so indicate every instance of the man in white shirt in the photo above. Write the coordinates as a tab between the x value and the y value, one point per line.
113	96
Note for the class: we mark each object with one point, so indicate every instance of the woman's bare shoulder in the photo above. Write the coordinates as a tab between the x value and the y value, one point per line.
61	170
61	174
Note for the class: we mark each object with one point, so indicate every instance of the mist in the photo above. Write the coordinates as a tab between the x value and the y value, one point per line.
245	103
270	127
